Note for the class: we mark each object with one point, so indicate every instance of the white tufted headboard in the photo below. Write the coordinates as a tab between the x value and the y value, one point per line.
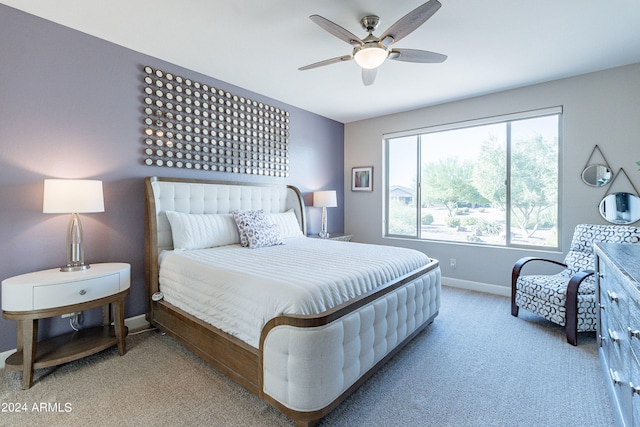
206	197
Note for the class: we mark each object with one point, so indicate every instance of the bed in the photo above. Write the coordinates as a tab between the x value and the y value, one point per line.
299	322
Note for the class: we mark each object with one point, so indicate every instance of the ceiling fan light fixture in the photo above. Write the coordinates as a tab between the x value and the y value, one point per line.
371	56
371	52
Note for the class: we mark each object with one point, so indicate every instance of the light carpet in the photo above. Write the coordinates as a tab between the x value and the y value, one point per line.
476	365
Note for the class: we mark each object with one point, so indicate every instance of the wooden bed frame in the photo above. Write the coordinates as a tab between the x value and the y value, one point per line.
247	365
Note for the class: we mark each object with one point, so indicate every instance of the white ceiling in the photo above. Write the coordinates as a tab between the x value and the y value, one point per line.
259	45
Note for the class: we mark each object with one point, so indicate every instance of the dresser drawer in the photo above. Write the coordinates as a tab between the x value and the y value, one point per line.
617	347
623	396
606	344
613	299
619	374
634	321
635	389
61	294
610	322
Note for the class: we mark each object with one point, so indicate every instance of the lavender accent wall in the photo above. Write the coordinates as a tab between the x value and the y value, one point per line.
71	107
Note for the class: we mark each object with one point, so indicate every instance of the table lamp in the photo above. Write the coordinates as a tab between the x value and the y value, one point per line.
324	200
74	196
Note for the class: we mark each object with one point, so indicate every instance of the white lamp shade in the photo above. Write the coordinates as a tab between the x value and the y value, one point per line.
371	57
72	196
325	199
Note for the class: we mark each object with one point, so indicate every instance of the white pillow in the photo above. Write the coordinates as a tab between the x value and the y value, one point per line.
287	223
199	231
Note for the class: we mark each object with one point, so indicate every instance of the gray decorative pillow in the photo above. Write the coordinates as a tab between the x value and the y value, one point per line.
261	237
255	229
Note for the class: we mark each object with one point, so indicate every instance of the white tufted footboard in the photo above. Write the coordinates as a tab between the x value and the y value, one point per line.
306	369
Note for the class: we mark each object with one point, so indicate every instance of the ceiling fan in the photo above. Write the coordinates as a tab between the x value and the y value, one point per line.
372	51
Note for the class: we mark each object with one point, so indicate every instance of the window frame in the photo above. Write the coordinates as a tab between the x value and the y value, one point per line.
506	119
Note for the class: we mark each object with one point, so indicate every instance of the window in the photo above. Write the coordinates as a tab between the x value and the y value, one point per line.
493	181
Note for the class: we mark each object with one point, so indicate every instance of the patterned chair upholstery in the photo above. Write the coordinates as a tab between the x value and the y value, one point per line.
568	298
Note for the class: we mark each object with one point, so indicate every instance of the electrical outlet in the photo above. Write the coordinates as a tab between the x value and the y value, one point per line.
452	263
64	316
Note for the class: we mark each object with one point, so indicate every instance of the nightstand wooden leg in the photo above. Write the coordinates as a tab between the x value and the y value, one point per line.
106	314
19	336
29	340
118	323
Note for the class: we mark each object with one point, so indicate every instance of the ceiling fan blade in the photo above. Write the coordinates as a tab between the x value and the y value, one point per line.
369	76
337	30
326	62
410	22
415	55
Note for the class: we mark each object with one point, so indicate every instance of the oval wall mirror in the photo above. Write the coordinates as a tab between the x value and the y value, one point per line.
596	175
620	208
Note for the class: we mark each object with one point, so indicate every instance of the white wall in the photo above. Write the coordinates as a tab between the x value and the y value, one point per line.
601	108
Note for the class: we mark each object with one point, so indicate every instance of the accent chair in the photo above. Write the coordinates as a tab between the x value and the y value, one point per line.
568	298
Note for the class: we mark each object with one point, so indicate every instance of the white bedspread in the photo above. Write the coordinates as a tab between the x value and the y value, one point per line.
238	289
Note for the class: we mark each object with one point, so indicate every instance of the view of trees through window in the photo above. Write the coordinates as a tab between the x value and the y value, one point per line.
494	183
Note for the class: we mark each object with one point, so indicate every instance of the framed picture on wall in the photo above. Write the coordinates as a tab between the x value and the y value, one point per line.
362	178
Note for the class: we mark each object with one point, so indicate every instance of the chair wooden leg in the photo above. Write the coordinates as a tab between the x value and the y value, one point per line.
571	309
571	305
572	331
515	273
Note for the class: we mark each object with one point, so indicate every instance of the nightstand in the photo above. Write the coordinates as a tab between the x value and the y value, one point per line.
340	237
48	293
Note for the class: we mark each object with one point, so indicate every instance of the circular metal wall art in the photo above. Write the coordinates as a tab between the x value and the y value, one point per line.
253	136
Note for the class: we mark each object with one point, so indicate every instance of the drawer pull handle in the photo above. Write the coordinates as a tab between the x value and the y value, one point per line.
602	306
82	292
615	377
612	296
634	334
634	389
614	336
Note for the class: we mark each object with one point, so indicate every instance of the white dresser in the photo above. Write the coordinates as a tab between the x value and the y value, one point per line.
618	284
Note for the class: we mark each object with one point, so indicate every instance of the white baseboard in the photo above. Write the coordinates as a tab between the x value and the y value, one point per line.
135	324
477	286
4	355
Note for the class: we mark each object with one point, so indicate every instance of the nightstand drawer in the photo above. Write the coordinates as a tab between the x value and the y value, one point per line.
53	288
62	294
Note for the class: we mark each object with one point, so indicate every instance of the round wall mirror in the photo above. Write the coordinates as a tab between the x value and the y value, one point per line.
620	208
596	175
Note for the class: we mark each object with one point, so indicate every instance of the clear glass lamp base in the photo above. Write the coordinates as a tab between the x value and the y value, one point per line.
75	252
75	267
324	234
